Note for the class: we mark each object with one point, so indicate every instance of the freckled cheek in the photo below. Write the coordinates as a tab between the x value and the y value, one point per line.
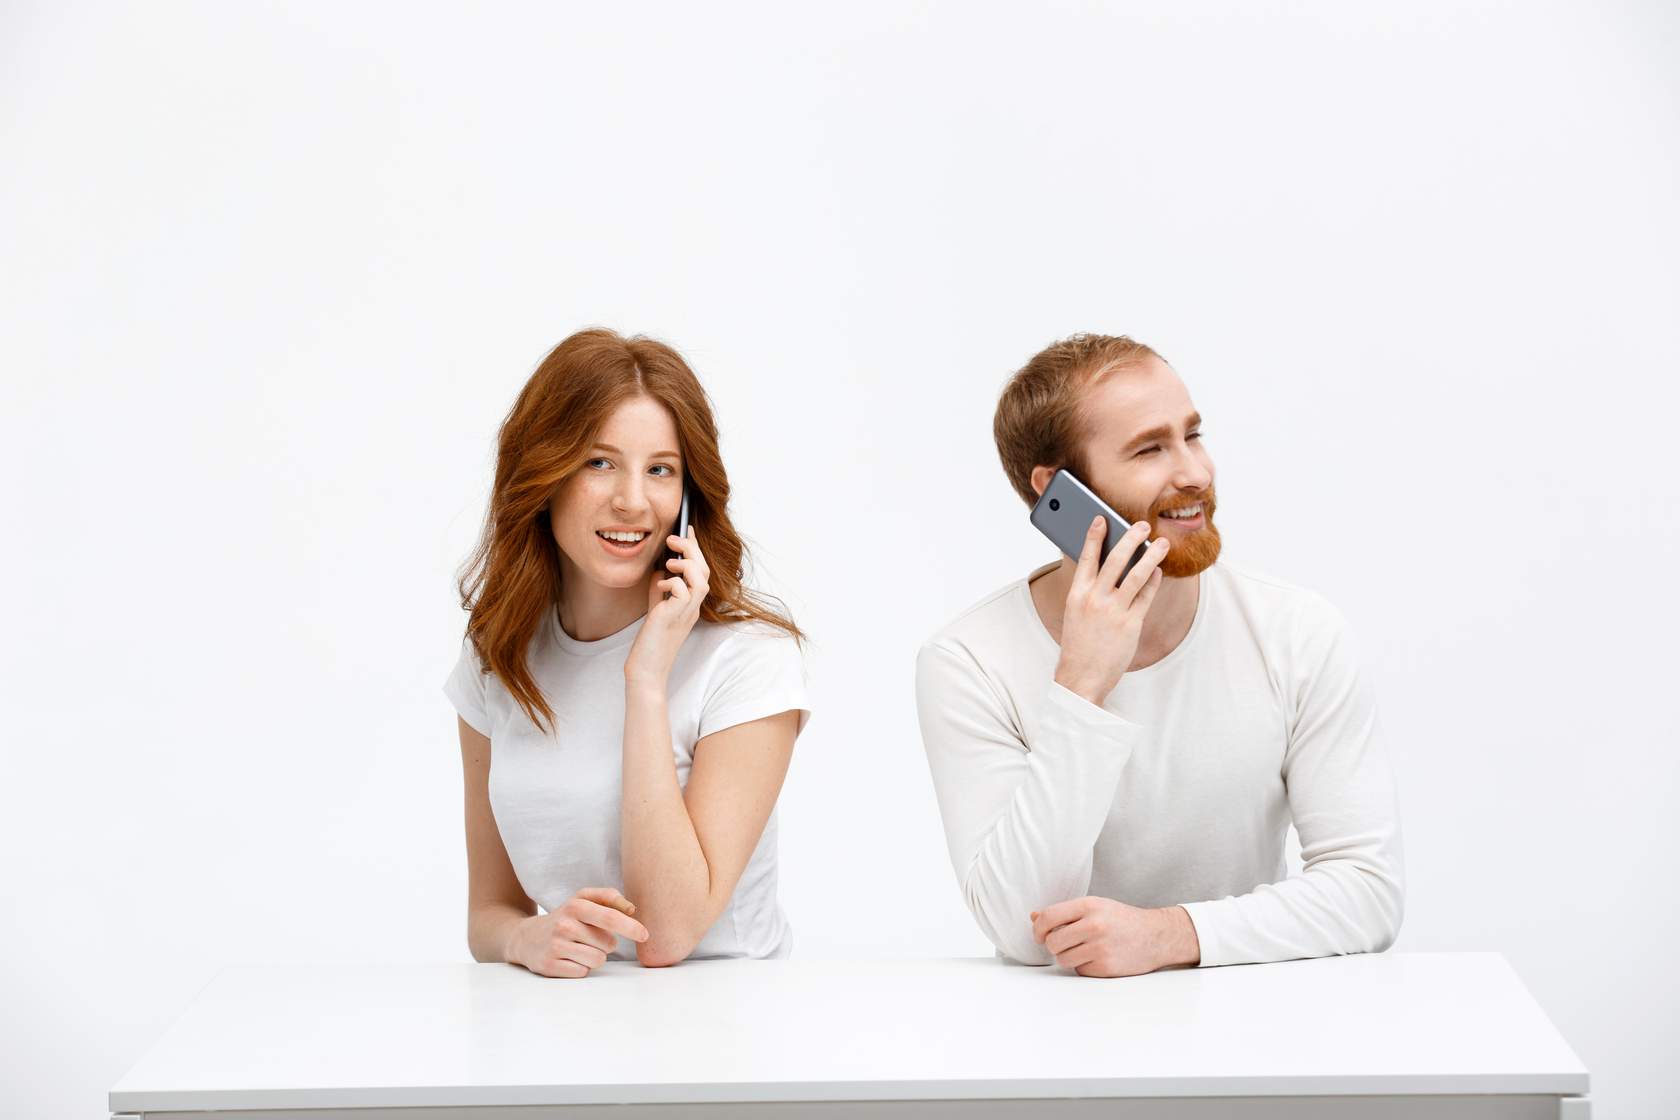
575	513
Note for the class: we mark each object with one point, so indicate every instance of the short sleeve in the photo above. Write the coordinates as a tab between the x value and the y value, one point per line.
759	673
466	689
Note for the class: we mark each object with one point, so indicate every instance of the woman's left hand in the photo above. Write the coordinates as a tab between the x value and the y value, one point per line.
673	606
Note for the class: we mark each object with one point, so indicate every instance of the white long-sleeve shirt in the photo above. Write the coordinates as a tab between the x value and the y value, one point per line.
1180	789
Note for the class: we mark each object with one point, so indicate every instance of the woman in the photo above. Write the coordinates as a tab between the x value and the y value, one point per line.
627	708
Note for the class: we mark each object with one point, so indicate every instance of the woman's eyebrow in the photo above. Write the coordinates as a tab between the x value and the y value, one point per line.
616	451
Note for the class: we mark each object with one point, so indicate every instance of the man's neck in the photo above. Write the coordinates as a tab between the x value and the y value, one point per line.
1166	624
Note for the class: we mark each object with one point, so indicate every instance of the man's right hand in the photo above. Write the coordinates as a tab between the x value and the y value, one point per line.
574	939
1104	615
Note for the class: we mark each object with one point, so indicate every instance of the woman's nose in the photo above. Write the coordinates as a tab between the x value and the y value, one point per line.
629	498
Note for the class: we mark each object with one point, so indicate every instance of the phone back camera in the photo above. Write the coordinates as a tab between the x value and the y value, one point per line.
1055	504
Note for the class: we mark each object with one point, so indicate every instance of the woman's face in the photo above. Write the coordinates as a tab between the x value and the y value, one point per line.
610	519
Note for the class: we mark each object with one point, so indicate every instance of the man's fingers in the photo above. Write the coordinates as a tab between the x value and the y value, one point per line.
1063	938
610	920
1145	567
1083	953
1122	551
1092	549
1058	915
608	896
1151	585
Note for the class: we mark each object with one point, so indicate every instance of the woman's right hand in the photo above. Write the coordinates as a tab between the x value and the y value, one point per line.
1104	615
574	939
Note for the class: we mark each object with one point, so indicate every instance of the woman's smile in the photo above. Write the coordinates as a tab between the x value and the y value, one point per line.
623	543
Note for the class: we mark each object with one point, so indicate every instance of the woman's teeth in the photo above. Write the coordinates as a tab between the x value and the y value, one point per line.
622	538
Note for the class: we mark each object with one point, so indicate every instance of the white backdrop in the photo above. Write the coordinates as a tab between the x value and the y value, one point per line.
272	277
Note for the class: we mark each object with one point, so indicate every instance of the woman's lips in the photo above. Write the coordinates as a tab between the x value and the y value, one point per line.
622	548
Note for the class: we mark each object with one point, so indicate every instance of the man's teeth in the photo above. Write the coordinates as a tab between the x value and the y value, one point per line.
1187	513
625	538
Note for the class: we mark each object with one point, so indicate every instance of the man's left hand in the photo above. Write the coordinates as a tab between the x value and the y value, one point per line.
1101	937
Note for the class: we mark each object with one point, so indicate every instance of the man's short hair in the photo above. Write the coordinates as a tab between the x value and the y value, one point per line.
1037	418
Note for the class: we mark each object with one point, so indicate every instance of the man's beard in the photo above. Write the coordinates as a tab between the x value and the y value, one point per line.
1192	553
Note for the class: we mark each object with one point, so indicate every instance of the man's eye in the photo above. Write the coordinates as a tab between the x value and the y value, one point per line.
1148	450
1194	435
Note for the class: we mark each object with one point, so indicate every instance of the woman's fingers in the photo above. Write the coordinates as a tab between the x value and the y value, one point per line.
690	561
561	968
581	953
608	896
603	917
580	930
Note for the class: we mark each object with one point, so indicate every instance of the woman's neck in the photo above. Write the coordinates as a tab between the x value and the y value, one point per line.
590	612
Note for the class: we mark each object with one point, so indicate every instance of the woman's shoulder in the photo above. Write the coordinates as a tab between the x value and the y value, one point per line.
741	634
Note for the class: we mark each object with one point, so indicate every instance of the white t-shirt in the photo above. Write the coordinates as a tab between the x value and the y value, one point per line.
556	796
1180	789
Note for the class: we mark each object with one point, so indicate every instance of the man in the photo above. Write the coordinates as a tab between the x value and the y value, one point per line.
1117	762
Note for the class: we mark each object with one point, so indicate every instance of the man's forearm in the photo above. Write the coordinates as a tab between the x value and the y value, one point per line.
1178	945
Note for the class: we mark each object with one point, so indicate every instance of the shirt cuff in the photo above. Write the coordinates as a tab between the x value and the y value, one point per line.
1089	719
1209	918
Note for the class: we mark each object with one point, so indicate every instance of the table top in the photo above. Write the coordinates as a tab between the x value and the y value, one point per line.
817	1030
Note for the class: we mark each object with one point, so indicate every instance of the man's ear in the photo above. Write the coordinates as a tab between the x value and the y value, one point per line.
1041	477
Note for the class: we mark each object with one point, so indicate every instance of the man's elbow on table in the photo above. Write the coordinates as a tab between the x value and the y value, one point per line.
1017	945
1393	912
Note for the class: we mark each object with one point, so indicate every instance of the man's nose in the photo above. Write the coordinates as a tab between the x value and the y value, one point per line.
1192	473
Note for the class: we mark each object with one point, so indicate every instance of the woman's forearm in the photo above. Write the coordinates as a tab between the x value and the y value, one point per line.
489	926
665	869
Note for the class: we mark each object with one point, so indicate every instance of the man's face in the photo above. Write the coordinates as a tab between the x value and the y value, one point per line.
1144	452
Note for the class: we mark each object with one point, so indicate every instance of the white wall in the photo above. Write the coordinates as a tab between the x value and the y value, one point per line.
273	276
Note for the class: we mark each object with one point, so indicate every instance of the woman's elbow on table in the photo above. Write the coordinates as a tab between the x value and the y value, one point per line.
663	952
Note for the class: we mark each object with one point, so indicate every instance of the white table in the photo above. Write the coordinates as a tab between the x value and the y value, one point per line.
1401	1034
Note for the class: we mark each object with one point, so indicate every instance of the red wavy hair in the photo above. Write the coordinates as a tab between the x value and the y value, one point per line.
512	578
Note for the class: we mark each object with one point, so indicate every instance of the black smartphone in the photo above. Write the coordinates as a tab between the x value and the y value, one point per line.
681	531
1064	513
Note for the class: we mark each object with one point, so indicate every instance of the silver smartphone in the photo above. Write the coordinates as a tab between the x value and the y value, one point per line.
1064	513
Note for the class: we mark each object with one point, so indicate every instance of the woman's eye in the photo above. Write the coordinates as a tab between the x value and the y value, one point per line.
599	464
660	467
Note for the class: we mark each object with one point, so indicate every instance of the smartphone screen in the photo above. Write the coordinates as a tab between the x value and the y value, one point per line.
1064	513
